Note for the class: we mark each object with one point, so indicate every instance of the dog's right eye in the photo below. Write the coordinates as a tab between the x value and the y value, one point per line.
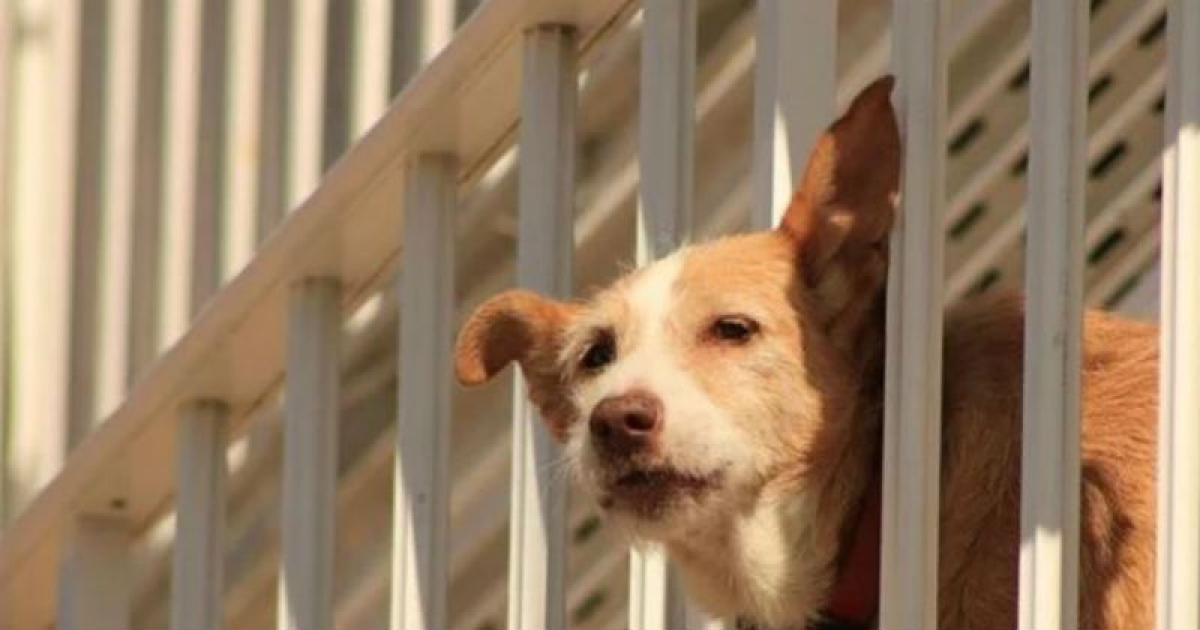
600	353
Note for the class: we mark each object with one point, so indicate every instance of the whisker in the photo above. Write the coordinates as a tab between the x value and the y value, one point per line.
558	468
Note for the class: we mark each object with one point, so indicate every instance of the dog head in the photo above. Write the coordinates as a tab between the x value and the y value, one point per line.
695	384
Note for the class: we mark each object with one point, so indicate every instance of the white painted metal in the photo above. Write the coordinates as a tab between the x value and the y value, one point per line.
243	156
272	198
195	111
665	127
356	202
6	266
116	249
86	225
307	99
913	382
197	577
179	195
233	350
538	530
424	27
147	211
42	194
94	576
310	455
422	488
665	220
371	57
1178	586
656	595
1049	565
211	138
795	84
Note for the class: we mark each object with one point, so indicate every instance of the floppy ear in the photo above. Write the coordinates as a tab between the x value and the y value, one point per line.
523	327
842	213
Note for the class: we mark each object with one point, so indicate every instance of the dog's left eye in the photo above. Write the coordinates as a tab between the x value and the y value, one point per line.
600	353
733	328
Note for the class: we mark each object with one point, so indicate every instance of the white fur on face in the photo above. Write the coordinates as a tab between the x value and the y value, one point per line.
740	554
698	437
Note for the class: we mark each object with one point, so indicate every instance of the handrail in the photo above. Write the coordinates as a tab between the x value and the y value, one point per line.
464	102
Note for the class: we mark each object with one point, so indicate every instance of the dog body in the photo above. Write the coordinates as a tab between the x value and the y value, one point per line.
725	402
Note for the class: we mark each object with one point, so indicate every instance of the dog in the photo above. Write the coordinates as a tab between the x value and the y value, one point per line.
725	402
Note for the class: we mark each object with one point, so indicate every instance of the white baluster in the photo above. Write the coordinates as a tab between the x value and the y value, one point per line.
794	91
94	577
1049	564
372	54
243	158
420	553
538	531
306	109
196	581
113	328
42	188
424	27
1178	586
182	138
311	399
913	380
145	262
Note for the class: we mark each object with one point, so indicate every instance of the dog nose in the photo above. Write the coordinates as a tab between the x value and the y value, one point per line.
626	424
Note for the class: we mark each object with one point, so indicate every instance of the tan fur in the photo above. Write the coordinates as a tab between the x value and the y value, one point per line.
788	421
523	327
981	468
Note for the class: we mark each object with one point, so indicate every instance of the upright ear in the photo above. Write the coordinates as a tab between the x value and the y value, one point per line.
523	327
841	215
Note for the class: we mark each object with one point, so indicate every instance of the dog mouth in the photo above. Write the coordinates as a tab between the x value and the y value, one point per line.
648	492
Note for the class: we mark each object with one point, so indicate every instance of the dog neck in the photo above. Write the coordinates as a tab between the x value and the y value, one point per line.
770	563
799	559
803	555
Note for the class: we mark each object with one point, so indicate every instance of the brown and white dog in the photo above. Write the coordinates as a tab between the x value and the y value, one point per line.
725	402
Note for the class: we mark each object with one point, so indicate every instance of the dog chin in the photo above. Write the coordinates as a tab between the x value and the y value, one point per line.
651	502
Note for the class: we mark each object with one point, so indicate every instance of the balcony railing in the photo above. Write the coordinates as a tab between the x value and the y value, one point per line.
232	195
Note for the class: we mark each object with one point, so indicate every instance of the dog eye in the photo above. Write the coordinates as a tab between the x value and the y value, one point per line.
602	352
733	328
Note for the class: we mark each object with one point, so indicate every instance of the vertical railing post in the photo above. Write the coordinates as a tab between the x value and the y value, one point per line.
665	220
913	375
419	546
794	91
372	55
119	171
91	276
1050	475
43	182
311	398
275	126
6	266
307	103
196	582
94	577
86	219
1178	585
191	251
211	116
422	28
538	530
147	212
182	136
243	158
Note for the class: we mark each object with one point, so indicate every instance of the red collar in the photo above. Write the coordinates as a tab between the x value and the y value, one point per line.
855	598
